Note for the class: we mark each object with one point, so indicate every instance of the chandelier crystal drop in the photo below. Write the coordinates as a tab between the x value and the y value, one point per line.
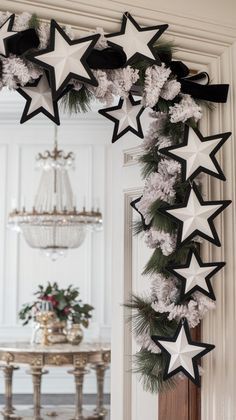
54	225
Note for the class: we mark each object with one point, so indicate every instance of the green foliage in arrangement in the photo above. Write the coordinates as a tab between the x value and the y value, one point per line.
65	303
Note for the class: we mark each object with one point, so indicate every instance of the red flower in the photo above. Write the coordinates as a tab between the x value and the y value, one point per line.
66	310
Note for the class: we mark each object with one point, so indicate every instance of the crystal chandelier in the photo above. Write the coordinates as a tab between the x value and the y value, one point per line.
54	225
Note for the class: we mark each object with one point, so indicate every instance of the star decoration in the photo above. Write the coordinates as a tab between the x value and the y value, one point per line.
196	217
66	59
137	42
182	353
126	116
39	99
195	275
5	33
197	153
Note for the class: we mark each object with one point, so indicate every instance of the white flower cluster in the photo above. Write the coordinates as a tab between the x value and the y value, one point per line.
155	238
155	78
153	136
159	185
123	79
185	109
165	294
15	72
170	89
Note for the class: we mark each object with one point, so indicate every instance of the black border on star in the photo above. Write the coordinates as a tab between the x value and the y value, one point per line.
167	151
10	26
218	266
215	240
206	349
133	205
115	135
25	116
159	28
35	58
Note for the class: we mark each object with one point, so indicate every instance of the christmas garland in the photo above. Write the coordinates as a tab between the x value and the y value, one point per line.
46	64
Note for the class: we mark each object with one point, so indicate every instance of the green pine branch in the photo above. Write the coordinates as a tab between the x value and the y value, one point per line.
76	101
150	367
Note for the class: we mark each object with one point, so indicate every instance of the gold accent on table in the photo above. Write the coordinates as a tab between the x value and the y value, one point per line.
59	360
36	361
106	357
45	320
81	360
7	357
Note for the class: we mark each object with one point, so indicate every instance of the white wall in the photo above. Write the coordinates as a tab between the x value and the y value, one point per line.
23	268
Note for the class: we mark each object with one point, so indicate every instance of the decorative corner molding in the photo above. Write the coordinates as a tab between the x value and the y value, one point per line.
131	156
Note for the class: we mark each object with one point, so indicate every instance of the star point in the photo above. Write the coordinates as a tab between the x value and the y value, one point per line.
5	33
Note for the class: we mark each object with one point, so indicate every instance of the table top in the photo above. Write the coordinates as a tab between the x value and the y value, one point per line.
26	347
55	354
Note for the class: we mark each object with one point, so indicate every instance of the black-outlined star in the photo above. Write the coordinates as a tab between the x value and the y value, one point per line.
182	353
197	153
195	217
195	275
39	99
126	116
66	59
137	42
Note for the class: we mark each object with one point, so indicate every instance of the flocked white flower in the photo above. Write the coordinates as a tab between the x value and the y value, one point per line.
185	109
155	78
170	90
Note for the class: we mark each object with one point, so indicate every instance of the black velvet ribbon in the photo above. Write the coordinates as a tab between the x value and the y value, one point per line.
198	85
109	58
22	41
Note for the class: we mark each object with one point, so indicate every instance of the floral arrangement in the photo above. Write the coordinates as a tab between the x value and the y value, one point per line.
65	303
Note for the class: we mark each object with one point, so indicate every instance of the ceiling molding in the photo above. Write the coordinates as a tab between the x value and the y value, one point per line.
84	17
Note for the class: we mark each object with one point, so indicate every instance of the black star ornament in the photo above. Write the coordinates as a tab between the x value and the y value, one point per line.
137	42
197	153
6	33
126	116
195	275
39	98
66	59
195	217
182	353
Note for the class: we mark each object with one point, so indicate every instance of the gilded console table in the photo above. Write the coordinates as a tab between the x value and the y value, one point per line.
37	357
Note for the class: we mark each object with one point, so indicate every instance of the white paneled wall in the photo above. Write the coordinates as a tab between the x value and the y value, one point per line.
23	268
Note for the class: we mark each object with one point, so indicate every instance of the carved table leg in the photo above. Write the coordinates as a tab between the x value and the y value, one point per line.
100	373
78	373
37	373
8	375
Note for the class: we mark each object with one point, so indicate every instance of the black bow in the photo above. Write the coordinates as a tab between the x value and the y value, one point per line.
198	85
109	58
23	41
